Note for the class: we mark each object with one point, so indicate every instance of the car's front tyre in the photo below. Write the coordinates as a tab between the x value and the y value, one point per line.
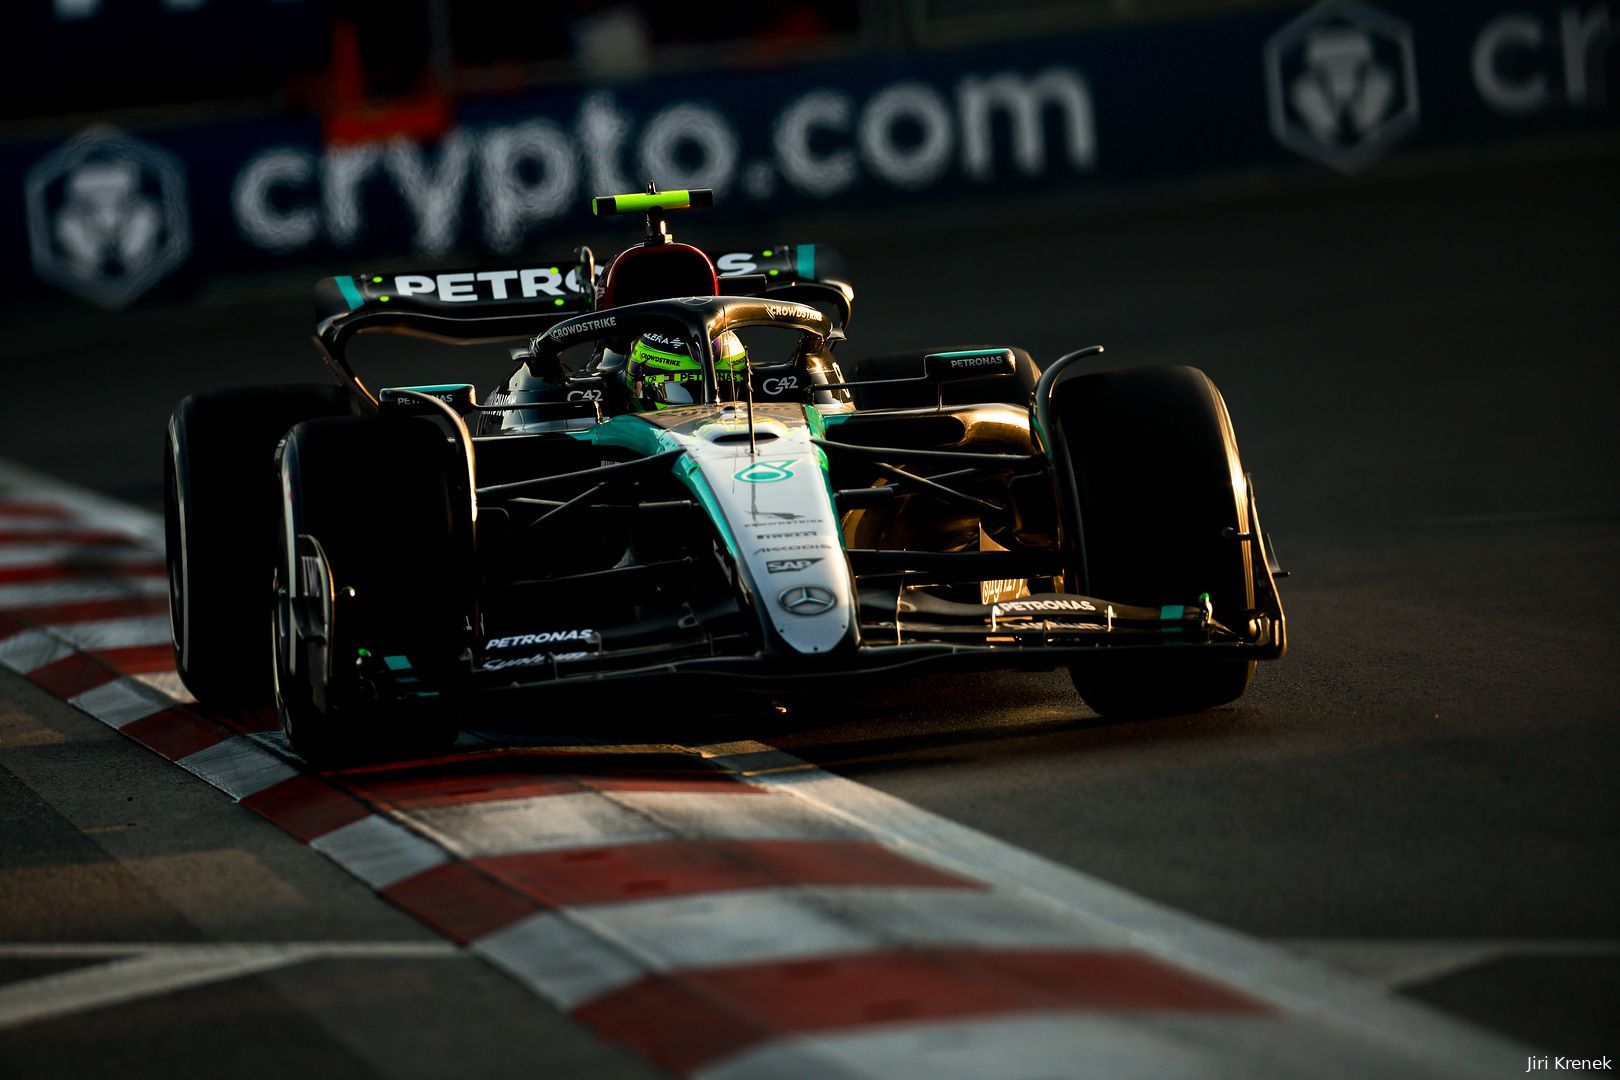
1149	461
372	589
219	509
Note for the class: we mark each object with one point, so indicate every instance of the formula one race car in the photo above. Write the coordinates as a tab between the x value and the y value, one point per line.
678	481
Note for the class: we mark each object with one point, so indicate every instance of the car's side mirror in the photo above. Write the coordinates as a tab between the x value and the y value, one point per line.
459	396
945	367
968	364
586	388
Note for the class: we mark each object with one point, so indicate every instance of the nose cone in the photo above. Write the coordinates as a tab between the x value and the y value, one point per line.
778	510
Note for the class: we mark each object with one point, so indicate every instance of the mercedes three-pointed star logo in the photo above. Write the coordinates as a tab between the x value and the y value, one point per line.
807	600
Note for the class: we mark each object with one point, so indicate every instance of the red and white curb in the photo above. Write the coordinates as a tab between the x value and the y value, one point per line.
727	911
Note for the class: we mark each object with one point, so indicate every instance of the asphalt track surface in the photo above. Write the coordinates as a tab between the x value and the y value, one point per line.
1422	377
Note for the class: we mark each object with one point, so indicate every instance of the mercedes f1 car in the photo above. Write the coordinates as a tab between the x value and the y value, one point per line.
766	517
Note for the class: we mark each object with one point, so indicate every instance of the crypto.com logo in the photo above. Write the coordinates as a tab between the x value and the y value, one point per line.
1342	83
107	216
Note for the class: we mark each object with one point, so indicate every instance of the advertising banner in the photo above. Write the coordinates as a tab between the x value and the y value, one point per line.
113	215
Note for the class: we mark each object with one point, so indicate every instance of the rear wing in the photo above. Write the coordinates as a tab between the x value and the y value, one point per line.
807	273
456	305
521	300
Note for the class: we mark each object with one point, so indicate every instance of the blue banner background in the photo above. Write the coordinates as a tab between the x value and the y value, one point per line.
1161	102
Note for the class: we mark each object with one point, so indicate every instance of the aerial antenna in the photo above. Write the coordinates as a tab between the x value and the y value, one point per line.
657	230
748	374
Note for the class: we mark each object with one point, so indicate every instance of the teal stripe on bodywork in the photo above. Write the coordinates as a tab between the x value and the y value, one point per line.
350	291
817	422
806	254
1172	612
630	432
818	428
832	495
687	469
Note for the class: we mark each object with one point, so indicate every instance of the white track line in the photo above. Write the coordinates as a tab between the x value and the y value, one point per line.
338	950
147	971
1407	963
122	981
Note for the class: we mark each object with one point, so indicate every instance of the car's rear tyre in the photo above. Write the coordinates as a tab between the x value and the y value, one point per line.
376	496
1158	492
219	512
908	365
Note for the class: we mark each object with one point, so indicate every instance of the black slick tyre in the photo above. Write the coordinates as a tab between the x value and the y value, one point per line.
908	365
1158	491
219	514
374	497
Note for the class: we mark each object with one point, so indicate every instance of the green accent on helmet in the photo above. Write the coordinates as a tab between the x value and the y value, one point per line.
645	356
730	358
649	363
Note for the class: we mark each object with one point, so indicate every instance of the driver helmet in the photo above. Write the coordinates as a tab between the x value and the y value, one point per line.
657	358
